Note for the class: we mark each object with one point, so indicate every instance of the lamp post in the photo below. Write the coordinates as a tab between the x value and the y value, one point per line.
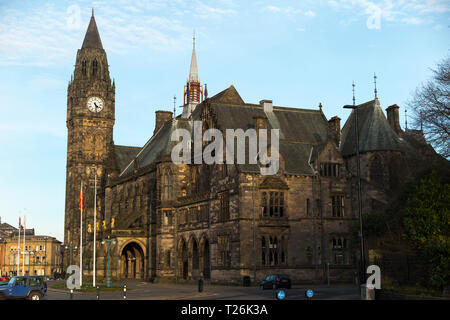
108	273
358	173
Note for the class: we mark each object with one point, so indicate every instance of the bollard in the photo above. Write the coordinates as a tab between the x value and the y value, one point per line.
124	291
98	293
200	285
71	294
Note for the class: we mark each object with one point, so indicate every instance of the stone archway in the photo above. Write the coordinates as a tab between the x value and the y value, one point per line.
182	259
132	257
195	263
206	260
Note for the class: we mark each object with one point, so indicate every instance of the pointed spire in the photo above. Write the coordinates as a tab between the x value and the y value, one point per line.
193	72
92	37
206	91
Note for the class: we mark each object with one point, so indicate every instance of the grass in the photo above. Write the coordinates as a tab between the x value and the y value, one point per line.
90	288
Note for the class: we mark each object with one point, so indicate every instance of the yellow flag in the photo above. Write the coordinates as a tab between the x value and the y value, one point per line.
89	228
104	225
98	226
112	222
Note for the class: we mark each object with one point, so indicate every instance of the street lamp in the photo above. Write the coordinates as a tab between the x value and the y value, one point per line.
358	173
108	274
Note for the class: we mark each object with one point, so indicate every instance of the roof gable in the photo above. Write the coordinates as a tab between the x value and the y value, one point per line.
228	96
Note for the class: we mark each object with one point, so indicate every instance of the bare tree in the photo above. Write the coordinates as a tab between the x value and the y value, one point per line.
431	106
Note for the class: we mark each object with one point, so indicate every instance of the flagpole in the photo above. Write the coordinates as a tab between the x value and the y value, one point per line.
24	237
81	236
18	249
95	219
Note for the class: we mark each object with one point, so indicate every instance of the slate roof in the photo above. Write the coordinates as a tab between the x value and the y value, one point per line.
300	130
375	133
92	37
124	155
158	145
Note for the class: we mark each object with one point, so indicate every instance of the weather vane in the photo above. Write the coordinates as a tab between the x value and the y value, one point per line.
174	102
375	82
353	89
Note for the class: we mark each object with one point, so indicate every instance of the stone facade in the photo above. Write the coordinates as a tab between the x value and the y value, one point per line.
40	256
221	222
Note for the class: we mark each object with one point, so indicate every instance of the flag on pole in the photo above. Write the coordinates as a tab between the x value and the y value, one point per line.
81	199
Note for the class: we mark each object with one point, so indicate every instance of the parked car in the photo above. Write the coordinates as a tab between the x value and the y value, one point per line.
4	278
26	287
276	281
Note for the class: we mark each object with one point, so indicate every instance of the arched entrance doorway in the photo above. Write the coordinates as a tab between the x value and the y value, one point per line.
132	261
195	260
182	259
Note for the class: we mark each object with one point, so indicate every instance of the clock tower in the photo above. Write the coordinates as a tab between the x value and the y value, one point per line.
90	122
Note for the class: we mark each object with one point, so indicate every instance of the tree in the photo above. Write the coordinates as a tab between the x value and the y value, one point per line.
431	107
427	226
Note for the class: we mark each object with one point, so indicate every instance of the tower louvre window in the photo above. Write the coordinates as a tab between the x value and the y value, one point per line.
83	68
94	67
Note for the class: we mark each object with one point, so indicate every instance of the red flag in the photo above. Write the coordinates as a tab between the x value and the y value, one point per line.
81	199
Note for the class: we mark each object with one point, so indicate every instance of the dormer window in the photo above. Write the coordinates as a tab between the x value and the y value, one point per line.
330	170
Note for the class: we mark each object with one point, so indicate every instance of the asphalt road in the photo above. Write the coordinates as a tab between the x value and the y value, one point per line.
149	291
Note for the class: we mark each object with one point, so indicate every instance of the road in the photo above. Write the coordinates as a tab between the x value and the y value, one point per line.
148	291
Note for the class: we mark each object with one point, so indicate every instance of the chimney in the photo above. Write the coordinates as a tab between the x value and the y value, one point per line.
334	125
161	118
267	105
393	118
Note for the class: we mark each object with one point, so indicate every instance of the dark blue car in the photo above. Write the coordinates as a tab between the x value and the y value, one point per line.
26	287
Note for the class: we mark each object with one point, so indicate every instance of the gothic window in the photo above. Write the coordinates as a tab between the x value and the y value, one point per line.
223	245
308	208
339	250
99	145
337	204
94	67
83	68
224	209
330	170
272	204
167	186
376	171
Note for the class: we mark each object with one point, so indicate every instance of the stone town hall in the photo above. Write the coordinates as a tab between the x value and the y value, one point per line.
221	222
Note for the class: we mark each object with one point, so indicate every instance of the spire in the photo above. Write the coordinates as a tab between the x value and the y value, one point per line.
92	37
193	72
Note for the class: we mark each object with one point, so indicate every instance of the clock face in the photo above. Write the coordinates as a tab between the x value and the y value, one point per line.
95	104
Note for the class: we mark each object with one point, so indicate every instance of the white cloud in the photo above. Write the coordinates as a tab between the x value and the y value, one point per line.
289	11
413	12
48	35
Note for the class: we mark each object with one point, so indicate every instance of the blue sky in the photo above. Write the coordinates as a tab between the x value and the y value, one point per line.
297	53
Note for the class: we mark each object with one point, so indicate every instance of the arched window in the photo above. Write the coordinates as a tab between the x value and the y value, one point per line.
167	186
94	67
83	68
